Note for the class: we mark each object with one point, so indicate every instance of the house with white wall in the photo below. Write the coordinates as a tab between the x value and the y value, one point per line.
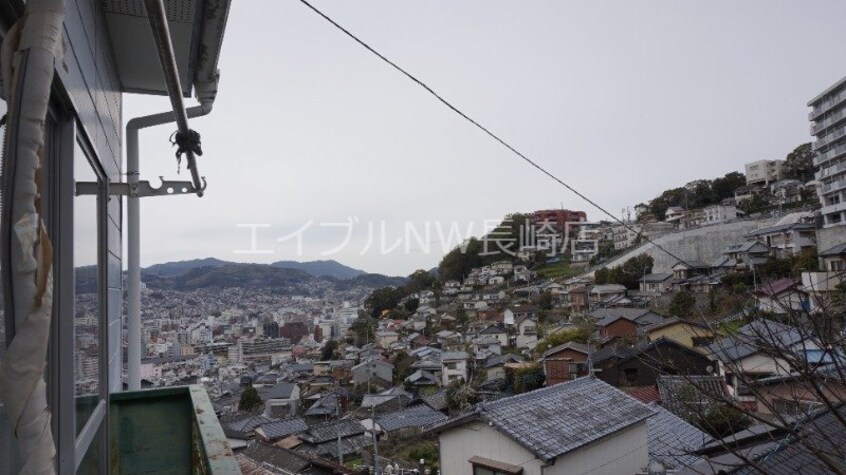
581	426
453	367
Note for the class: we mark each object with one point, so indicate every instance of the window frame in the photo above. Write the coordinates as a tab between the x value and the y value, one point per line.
72	447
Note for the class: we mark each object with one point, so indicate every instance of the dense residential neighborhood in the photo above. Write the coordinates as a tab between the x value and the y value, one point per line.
583	350
540	358
702	331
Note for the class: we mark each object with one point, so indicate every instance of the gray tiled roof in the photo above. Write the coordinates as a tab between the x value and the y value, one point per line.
552	421
329	449
242	428
453	356
751	337
822	432
436	400
320	433
277	458
834	251
570	345
418	416
782	227
604	316
384	397
280	390
497	360
283	428
691	394
421	377
327	405
672	440
656	278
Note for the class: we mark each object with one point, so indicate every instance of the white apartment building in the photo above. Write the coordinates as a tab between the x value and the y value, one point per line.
719	214
828	126
625	236
764	172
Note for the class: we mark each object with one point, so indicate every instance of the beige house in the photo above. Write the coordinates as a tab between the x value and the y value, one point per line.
581	426
689	334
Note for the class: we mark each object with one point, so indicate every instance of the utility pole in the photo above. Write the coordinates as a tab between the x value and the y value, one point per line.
375	439
338	414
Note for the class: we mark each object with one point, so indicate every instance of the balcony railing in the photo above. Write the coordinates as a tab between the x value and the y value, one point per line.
834	186
832	170
831	154
169	430
828	104
831	137
827	122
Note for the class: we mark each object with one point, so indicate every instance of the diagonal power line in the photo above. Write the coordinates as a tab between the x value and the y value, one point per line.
485	129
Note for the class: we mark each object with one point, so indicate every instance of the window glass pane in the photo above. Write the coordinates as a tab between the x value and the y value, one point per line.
9	462
92	462
87	299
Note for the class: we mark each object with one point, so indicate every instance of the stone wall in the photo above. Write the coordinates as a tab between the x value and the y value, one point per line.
702	244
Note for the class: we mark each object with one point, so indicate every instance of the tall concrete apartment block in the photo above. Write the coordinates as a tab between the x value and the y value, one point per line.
828	126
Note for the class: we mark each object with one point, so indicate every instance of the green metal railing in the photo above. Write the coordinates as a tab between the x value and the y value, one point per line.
167	431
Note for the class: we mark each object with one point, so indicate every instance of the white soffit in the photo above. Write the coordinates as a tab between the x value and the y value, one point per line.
135	51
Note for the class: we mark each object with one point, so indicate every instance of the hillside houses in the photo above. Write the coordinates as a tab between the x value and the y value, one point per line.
455	361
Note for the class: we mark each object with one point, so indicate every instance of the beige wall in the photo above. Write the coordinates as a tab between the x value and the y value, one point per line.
681	333
624	453
461	443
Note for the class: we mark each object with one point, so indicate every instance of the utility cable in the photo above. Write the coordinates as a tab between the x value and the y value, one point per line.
485	129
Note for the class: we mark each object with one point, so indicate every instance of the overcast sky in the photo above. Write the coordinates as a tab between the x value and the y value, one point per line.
621	99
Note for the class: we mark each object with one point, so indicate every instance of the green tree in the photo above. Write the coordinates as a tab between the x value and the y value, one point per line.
363	327
722	420
460	396
250	400
461	317
725	187
522	380
545	300
627	274
419	280
799	163
402	366
457	263
385	298
805	261
682	304
411	305
580	334
328	351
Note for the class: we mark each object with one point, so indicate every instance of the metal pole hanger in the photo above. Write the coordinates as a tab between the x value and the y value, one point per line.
143	188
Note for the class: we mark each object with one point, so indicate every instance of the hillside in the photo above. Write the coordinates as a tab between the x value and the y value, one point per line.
233	275
171	269
328	268
220	274
372	280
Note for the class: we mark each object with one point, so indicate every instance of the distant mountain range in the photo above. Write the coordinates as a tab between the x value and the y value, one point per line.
329	268
333	269
283	276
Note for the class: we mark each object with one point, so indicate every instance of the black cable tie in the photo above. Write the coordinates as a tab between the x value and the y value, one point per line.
188	141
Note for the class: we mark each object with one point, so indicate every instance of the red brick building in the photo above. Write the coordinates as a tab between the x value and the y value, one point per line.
617	326
558	217
565	362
